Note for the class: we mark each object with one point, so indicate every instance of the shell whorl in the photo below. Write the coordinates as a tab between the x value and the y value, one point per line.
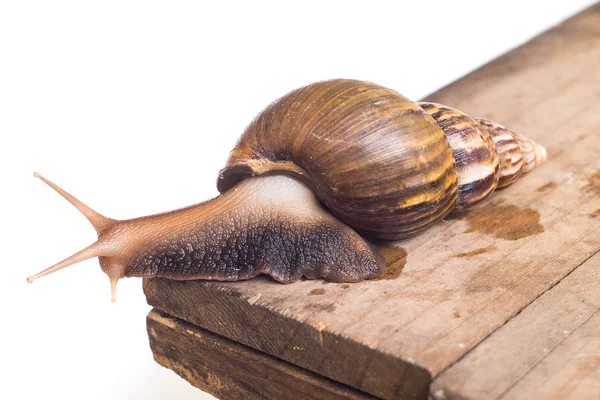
475	156
487	155
517	154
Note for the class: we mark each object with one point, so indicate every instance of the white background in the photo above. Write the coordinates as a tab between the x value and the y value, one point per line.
134	106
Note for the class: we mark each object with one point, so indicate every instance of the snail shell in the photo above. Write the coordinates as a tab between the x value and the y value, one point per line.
382	164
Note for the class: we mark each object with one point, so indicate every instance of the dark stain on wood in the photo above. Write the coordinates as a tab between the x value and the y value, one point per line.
345	286
425	294
395	259
234	293
456	314
504	221
481	284
547	186
595	214
593	185
455	215
316	292
312	307
476	252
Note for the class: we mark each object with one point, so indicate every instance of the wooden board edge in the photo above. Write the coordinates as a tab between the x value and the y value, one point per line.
229	370
245	322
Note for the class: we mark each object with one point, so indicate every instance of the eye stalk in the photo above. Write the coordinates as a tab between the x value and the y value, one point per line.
101	248
98	221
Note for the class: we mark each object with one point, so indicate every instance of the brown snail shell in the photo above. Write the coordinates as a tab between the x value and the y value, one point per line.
384	166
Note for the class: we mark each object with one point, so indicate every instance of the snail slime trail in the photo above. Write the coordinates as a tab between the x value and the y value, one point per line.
315	170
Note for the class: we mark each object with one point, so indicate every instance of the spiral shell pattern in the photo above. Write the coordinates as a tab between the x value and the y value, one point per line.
517	154
477	164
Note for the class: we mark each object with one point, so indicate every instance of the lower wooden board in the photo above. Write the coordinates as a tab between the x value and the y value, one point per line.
229	370
448	289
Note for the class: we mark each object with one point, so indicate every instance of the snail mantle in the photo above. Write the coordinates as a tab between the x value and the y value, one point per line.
507	290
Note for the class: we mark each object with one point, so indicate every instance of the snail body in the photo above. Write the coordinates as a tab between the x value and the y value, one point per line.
315	171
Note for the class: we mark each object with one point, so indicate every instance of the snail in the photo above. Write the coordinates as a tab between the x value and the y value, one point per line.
313	175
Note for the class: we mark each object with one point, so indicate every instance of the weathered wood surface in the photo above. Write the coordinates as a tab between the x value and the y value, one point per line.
452	286
213	363
550	350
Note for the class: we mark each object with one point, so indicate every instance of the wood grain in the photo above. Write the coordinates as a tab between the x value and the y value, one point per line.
391	337
212	363
571	371
549	350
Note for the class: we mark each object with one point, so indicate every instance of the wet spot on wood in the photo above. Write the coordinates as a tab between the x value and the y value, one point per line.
593	185
395	260
455	215
345	286
316	292
418	293
476	252
481	285
504	221
314	307
548	186
595	214
234	293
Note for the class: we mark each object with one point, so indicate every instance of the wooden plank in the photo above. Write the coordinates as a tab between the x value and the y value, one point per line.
453	285
549	350
571	371
211	363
